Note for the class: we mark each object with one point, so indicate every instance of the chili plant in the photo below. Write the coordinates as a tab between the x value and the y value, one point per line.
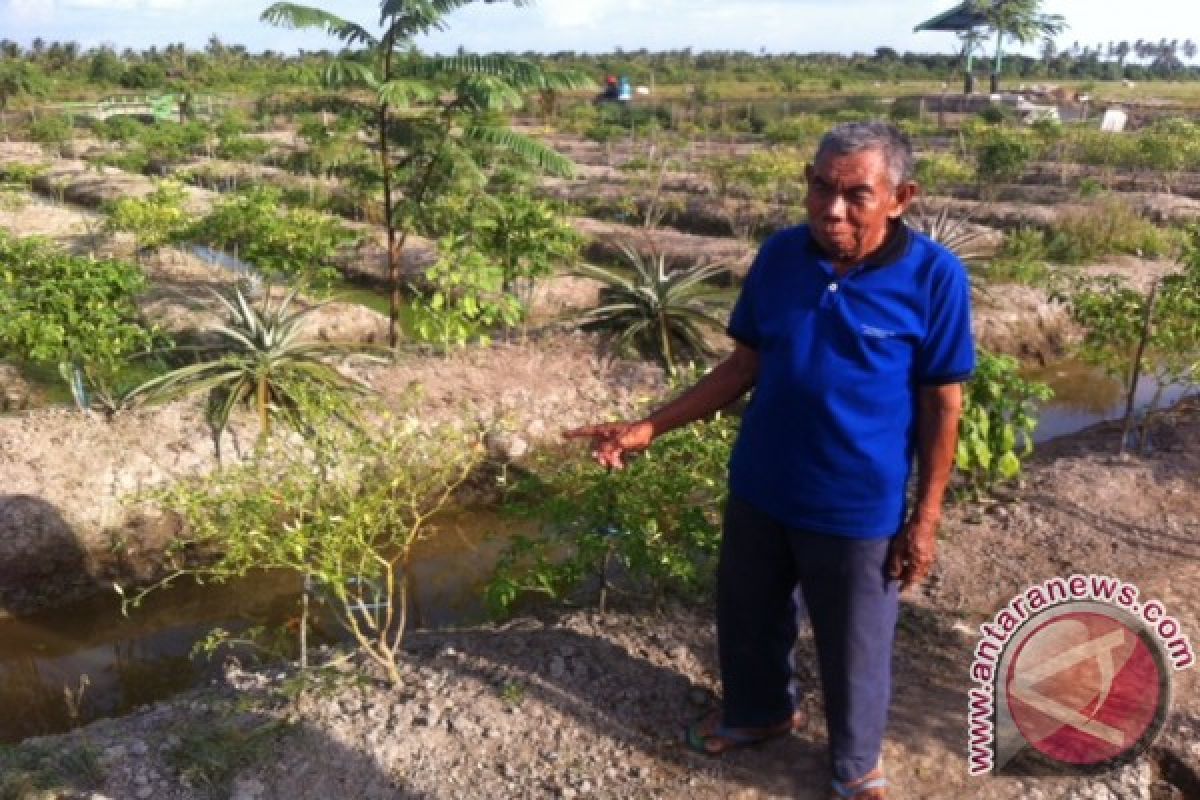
346	513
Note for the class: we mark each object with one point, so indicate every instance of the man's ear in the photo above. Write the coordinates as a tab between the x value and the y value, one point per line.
902	199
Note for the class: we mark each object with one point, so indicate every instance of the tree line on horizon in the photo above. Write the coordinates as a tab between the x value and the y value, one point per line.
39	66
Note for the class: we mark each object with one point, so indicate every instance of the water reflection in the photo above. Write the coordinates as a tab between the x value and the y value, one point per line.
134	661
127	662
1085	396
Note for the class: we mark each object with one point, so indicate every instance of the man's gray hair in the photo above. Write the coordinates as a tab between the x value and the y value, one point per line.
857	137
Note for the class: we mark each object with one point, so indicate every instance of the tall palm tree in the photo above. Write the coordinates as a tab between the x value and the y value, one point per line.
1021	21
444	100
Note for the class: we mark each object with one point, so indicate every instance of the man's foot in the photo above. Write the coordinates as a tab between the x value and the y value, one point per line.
710	737
872	786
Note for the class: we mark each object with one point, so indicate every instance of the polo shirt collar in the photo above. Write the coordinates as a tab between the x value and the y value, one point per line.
894	247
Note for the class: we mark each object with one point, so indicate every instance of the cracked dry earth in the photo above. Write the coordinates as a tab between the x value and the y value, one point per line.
591	705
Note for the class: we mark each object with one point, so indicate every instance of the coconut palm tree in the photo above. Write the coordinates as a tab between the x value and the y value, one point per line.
656	311
445	101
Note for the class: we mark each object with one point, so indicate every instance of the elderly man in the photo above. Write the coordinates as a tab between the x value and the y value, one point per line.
854	333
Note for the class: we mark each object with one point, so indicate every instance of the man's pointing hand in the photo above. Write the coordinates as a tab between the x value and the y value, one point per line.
611	440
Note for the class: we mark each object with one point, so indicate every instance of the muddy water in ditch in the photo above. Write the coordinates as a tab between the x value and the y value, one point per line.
71	665
1085	396
146	657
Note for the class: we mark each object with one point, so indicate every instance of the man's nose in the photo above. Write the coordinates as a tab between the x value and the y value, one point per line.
836	207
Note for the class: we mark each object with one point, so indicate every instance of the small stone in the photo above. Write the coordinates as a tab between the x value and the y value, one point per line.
138	748
558	667
144	793
115	752
247	789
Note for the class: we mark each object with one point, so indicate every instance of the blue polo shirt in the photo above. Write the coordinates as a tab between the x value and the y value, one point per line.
828	440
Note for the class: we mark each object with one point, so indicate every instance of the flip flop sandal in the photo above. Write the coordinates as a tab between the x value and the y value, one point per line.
855	790
721	738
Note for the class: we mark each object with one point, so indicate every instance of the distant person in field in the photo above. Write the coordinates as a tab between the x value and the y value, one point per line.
612	90
854	333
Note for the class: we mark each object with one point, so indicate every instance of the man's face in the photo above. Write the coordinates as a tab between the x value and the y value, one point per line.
850	202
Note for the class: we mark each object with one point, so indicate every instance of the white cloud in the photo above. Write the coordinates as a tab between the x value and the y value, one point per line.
151	5
29	11
102	5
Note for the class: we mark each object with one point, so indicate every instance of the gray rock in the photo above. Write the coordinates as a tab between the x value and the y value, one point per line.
558	667
247	789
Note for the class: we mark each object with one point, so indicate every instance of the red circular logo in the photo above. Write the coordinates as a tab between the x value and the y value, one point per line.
1084	688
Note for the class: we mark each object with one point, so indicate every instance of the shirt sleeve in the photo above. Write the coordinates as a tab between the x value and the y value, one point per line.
948	350
743	322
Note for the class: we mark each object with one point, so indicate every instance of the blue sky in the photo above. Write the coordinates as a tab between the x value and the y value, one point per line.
777	25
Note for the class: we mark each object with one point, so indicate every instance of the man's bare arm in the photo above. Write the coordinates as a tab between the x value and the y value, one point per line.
728	381
938	411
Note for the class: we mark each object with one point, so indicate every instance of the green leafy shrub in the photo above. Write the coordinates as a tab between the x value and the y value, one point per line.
1119	322
1002	154
651	529
346	513
242	148
995	433
996	114
905	109
281	243
528	238
147	75
156	219
797	129
1106	227
120	129
1021	259
21	175
1090	188
749	186
937	172
51	129
170	142
463	297
60	309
